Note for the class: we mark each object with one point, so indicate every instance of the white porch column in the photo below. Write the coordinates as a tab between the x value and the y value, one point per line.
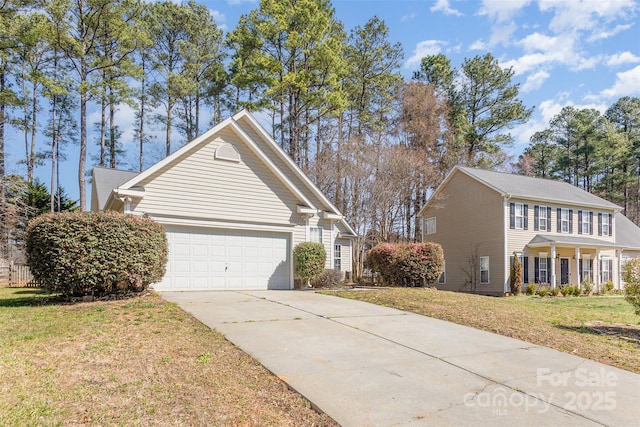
578	266
596	271
619	264
553	266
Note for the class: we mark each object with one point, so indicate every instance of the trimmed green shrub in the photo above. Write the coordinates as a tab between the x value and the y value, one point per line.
570	290
555	291
631	276
608	286
407	264
90	253
587	286
308	260
516	276
543	292
530	289
329	279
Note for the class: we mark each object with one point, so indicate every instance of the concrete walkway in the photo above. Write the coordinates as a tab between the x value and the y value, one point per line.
367	365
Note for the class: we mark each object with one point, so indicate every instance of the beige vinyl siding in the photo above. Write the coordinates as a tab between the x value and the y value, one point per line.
517	239
280	163
200	186
329	238
471	224
346	256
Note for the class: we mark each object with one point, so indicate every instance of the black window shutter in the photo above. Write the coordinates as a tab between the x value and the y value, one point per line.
536	266
536	217
610	224
559	218
570	221
590	222
525	269
512	215
526	217
579	222
610	268
549	260
549	219
599	224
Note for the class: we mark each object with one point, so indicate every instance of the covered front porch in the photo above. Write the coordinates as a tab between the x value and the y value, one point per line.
572	260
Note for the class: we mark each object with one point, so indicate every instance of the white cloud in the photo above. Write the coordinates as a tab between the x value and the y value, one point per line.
572	15
622	58
502	10
444	7
599	34
526	63
627	84
408	17
535	81
541	49
479	45
219	18
424	48
501	34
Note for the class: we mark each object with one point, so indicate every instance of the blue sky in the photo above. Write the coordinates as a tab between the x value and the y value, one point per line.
563	52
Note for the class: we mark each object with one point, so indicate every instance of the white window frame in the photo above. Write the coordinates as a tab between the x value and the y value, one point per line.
484	267
518	215
337	257
604	269
564	220
605	224
442	280
430	225
585	222
542	216
542	268
315	234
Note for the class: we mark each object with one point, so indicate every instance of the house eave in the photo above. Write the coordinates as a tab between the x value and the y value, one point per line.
331	216
305	210
553	201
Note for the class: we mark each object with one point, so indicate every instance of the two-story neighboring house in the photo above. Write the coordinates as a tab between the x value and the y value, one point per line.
561	233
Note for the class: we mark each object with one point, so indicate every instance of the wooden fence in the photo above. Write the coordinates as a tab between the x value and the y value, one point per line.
17	275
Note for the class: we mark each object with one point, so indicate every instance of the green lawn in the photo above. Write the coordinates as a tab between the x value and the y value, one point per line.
602	328
139	361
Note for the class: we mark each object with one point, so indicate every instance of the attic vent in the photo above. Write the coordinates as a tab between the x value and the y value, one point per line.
227	152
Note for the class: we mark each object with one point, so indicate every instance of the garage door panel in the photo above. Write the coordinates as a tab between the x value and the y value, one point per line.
202	259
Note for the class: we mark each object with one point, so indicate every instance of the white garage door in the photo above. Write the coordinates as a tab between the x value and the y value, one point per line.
202	259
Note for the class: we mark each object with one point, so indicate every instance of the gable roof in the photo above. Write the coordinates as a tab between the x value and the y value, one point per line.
627	233
526	187
105	180
537	188
300	191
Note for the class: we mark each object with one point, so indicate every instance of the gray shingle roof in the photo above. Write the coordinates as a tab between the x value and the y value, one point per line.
627	233
105	180
537	188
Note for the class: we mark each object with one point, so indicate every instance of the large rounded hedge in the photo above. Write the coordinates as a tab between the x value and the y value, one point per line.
90	253
308	260
407	264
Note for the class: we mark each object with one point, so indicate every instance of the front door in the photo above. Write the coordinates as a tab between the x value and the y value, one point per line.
564	271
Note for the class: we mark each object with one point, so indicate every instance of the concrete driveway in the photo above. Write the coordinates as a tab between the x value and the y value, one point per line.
367	365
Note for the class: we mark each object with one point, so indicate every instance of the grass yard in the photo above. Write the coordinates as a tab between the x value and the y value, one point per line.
139	361
601	328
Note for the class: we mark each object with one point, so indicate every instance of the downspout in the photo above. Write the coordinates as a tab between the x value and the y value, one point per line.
505	227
